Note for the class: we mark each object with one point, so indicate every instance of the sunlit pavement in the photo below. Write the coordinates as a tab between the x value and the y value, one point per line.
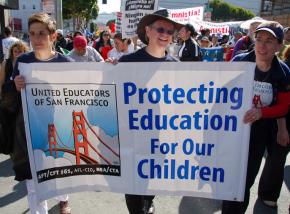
13	199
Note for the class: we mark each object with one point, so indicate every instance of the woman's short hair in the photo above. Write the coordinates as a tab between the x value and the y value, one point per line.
45	19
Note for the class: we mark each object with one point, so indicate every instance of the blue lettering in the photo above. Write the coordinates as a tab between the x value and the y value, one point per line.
129	90
133	119
236	100
178	93
140	169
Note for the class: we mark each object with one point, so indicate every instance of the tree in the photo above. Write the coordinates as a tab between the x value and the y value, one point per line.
223	11
81	11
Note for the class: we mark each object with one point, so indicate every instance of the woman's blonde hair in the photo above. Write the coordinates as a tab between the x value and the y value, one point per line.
20	45
286	53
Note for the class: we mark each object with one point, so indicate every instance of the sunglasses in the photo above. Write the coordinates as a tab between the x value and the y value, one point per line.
163	30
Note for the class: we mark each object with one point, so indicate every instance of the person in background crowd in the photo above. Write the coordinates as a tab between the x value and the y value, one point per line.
84	53
190	50
1	49
25	38
42	37
286	56
104	45
286	42
7	41
204	32
272	74
204	42
121	48
246	43
236	37
156	31
70	44
214	41
16	50
60	41
286	36
224	40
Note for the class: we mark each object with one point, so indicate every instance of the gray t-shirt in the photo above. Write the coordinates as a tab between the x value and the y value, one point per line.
91	55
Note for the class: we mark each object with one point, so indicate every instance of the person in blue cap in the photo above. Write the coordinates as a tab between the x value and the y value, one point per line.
270	106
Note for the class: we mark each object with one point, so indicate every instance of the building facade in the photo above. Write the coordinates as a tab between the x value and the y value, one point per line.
278	10
5	6
18	19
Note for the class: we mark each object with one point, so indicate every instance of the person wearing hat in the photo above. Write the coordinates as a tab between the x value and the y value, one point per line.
156	31
190	50
204	42
270	105
84	53
60	41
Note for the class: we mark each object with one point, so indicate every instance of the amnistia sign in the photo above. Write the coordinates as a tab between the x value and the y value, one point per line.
139	128
186	15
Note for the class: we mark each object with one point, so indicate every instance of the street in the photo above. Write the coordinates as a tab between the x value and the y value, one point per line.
13	199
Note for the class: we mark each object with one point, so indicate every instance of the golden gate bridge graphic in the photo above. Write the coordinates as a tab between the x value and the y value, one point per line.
82	143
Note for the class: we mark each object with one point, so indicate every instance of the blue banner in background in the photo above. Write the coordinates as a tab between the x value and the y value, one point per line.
212	54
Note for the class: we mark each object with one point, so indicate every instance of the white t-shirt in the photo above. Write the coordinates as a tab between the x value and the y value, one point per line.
6	44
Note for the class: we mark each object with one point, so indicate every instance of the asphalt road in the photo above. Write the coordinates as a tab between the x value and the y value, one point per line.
13	199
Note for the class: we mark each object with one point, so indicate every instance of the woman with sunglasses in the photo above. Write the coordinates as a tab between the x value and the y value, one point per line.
104	45
190	50
156	31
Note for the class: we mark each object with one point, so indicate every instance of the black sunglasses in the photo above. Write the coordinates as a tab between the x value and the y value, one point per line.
163	30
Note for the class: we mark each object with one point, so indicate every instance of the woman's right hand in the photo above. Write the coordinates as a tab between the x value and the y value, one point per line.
112	61
19	82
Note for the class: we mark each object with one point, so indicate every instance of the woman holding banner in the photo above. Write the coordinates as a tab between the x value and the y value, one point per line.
270	101
42	33
156	31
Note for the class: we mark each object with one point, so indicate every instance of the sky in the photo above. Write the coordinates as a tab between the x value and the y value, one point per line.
111	6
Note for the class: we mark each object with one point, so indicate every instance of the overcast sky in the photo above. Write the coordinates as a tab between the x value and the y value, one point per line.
111	6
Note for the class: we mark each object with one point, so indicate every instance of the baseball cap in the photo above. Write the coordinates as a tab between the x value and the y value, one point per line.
80	42
275	28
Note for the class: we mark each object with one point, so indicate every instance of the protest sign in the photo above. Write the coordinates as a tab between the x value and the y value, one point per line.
213	54
186	15
139	128
118	22
132	12
215	28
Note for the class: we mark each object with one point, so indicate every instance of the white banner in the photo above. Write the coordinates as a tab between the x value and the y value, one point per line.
140	128
186	15
215	28
132	12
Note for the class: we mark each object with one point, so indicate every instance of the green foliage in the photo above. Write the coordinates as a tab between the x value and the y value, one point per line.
223	11
81	10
